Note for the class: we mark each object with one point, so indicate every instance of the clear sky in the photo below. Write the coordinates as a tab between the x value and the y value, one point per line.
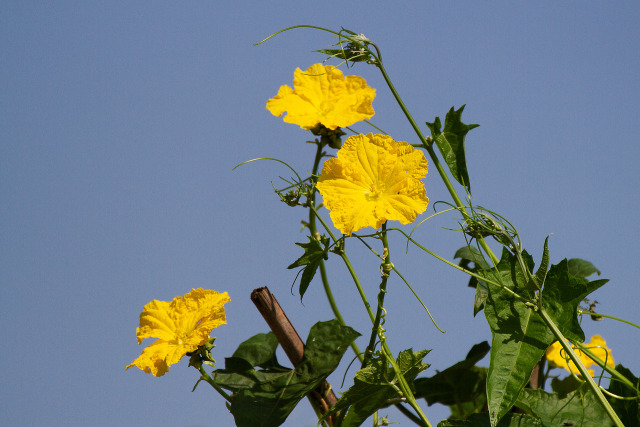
120	125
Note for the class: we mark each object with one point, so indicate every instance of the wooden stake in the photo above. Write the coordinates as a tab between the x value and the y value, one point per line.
322	398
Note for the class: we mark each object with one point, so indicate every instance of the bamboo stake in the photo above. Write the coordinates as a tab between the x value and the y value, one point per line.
322	398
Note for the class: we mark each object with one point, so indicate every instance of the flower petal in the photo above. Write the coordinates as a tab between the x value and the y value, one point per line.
598	346
181	326
198	312
155	321
323	95
557	358
158	356
372	180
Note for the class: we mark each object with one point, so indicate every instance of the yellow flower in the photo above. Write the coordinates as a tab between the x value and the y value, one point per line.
180	326
557	357
322	95
373	179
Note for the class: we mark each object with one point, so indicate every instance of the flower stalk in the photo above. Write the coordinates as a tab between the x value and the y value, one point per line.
385	269
206	377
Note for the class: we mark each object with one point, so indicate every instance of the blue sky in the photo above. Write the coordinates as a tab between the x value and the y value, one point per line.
121	123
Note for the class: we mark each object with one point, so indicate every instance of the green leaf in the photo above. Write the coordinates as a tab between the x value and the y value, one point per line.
541	273
468	255
581	268
259	350
579	408
462	386
472	260
565	386
482	420
561	295
314	252
326	343
480	299
375	385
450	142
520	336
627	410
265	397
463	410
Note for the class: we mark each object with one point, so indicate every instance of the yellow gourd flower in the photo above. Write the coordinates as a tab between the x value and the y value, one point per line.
557	357
180	326
322	95
373	179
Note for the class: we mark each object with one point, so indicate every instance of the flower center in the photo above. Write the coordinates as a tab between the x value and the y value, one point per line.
325	107
181	336
375	192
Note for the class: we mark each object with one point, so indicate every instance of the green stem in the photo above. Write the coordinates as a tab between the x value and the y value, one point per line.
464	270
406	389
299	26
606	367
591	313
404	385
368	353
408	414
429	148
323	272
376	331
415	294
581	368
205	376
347	263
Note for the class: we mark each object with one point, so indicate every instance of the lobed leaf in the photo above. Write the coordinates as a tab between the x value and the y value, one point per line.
561	295
462	386
482	420
259	350
579	408
472	260
562	387
520	336
628	409
541	273
314	252
450	142
266	397
374	385
581	268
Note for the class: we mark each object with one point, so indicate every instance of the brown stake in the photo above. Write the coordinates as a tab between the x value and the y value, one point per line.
322	397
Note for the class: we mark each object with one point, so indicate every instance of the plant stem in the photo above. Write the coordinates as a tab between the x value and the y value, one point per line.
207	378
591	313
581	368
383	290
464	270
618	376
376	331
429	148
347	263
403	385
